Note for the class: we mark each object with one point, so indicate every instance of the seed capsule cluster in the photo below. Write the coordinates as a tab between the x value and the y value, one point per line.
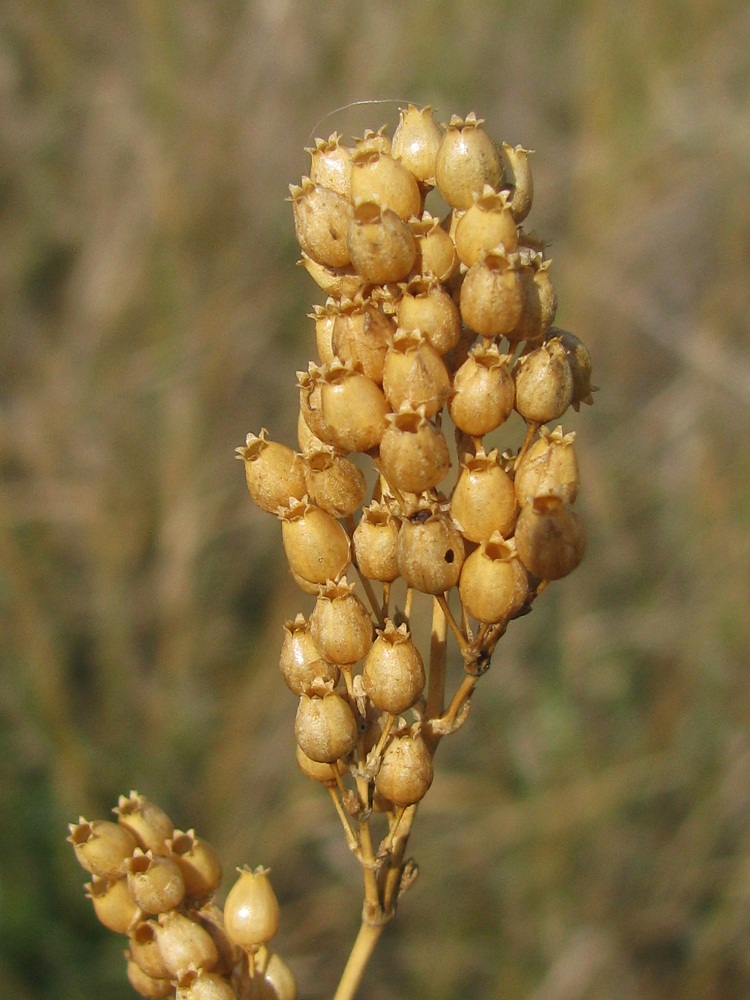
156	885
434	333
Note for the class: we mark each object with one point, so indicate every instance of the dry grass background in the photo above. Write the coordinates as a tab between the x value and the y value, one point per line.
588	836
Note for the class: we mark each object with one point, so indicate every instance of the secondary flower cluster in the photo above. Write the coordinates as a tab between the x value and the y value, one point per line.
435	332
156	885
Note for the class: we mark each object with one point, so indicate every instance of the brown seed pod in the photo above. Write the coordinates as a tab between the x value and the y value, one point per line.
273	472
323	773
342	407
199	862
484	226
466	160
184	943
325	726
416	142
375	539
274	980
436	253
331	165
484	500
544	383
380	244
539	298
494	585
549	466
361	336
300	661
334	483
335	281
321	221
426	306
324	317
340	624
101	847
144	950
251	910
580	365
414	375
373	141
316	545
550	539
522	186
406	772
483	391
393	673
414	454
113	904
430	552
155	882
491	298
380	178
146	985
204	986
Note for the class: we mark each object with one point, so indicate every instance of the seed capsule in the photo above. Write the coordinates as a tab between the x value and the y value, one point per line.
494	585
204	986
198	861
113	904
580	365
144	984
430	552
144	950
315	544
273	472
380	244
375	539
522	190
540	301
483	391
325	726
324	317
393	674
340	624
378	177
251	911
544	383
491	297
321	221
373	142
406	772
324	774
361	336
414	454
414	375
337	281
184	943
416	142
549	537
466	161
331	165
333	482
300	661
101	847
549	466
344	408
274	978
436	252
155	882
484	500
426	306
484	226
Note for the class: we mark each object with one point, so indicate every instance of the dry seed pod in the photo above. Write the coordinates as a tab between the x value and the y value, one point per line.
361	336
340	282
580	365
204	986
430	552
251	911
414	454
381	245
273	472
101	847
155	882
344	408
544	383
148	823
316	545
378	177
549	466
274	980
393	674
325	726
406	772
305	437
540	301
485	225
549	536
331	165
491	298
375	539
426	306
144	950
414	375
323	773
373	142
340	624
144	984
483	391
484	500
211	919
494	585
199	863
184	943
466	161
416	142
324	317
334	483
436	252
321	221
300	661
113	904
522	189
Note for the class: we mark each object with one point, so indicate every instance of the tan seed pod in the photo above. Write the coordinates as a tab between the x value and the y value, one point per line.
113	904
144	984
416	142
340	625
101	847
361	336
426	306
374	540
339	282
331	165
549	466
204	986
373	141
539	301
484	226
211	918
324	317
316	545
522	186
491	298
325	726
414	454
273	979
342	407
333	482
273	472
184	943
305	437
155	882
580	365
144	950
380	244
321	221
380	178
251	910
199	862
323	773
430	552
436	252
544	383
550	539
484	500
300	661
406	772
494	585
393	673
414	374
483	391
466	160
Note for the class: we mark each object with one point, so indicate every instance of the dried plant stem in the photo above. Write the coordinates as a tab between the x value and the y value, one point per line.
436	683
368	937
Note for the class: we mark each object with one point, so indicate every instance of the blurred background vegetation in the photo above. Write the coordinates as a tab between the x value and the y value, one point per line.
588	835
